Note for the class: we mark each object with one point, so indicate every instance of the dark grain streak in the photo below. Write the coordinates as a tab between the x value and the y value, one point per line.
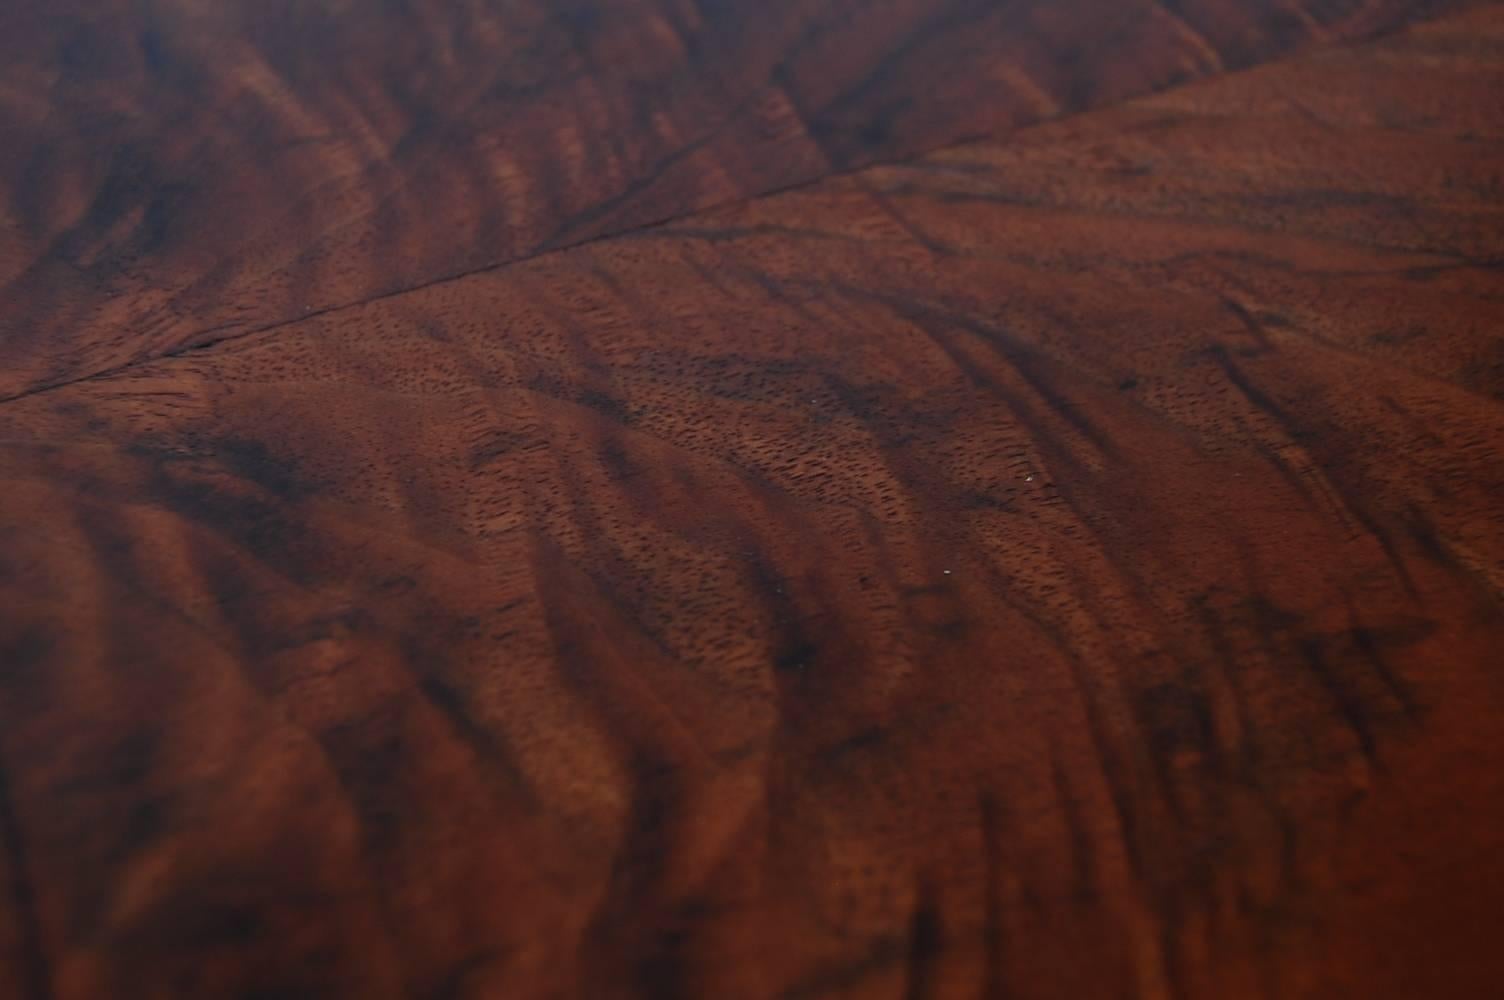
35	973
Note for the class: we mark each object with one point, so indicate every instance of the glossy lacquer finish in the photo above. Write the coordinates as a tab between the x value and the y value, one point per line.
1065	563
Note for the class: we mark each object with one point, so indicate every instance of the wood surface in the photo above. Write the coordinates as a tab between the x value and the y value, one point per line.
179	171
1065	565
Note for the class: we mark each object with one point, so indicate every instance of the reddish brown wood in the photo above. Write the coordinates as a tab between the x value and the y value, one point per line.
1066	566
179	171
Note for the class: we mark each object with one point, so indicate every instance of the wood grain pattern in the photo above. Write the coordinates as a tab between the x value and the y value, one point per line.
180	171
1070	566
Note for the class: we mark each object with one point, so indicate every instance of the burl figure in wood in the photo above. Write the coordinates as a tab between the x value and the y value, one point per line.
465	534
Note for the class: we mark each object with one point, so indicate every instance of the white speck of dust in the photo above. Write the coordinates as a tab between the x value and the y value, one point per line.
946	572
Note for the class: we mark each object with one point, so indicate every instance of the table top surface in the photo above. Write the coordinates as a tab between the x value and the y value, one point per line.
703	498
